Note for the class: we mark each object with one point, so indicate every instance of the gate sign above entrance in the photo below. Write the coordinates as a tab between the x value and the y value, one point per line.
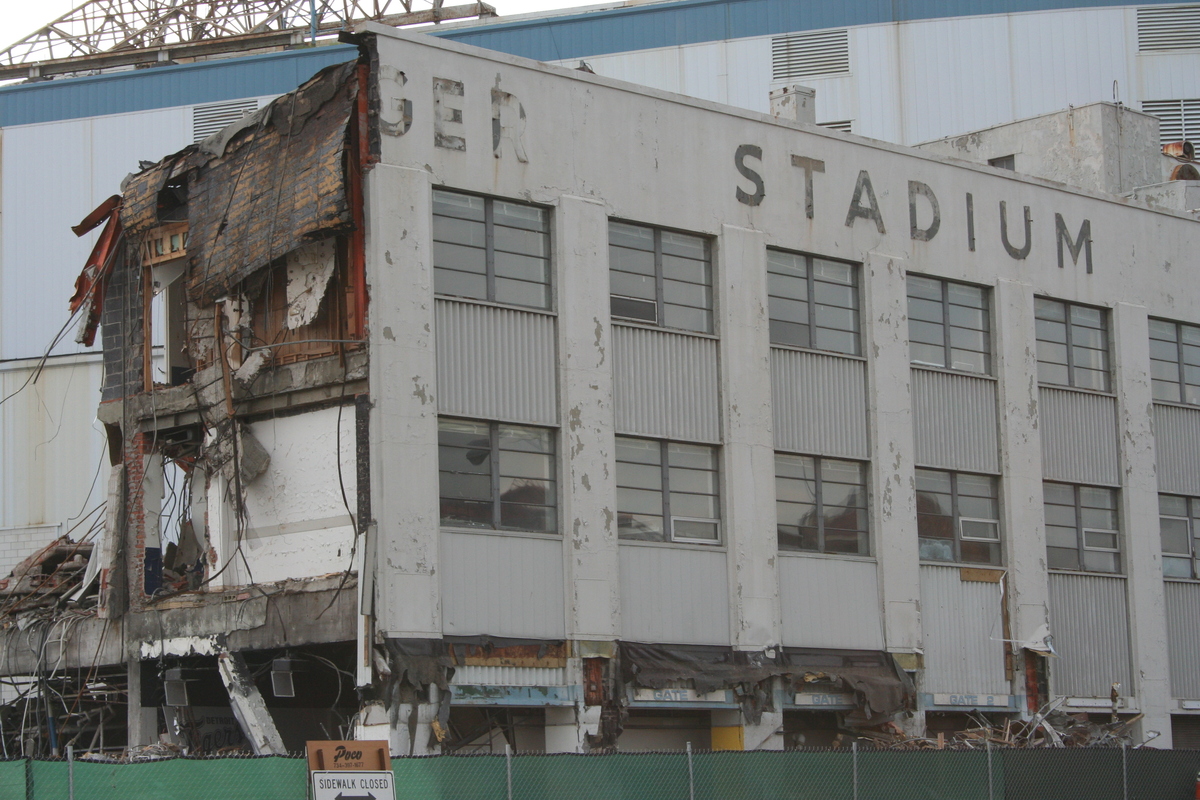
353	785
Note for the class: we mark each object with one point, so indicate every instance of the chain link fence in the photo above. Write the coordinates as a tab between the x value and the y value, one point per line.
1050	774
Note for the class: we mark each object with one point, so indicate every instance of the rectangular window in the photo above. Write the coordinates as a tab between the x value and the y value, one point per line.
499	476
1175	361
813	302
958	517
1072	345
1083	530
821	504
660	277
667	491
948	325
1177	526
489	249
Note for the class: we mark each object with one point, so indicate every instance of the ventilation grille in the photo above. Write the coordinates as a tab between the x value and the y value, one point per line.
207	120
1168	28
842	125
802	55
1177	119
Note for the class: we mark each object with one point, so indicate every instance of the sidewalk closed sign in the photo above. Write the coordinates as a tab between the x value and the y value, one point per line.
344	784
353	770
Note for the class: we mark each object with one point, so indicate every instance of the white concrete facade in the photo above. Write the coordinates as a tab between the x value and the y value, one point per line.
596	150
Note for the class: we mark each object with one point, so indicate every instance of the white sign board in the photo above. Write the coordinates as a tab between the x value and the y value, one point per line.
348	785
825	699
679	696
973	700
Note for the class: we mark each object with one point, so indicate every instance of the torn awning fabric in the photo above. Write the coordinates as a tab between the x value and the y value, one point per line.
881	688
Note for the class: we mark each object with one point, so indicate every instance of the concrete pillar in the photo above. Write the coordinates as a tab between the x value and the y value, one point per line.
1024	529
588	481
138	734
889	417
567	728
732	731
1139	521
748	455
403	420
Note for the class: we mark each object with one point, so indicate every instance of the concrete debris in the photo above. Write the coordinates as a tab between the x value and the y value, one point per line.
45	577
1052	728
308	272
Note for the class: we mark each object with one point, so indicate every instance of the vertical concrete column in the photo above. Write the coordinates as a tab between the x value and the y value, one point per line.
589	485
587	477
748	454
889	417
1139	521
1024	529
403	419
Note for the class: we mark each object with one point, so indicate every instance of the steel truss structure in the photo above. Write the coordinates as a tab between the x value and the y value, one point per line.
119	33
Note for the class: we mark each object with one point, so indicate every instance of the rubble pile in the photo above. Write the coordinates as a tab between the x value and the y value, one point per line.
47	577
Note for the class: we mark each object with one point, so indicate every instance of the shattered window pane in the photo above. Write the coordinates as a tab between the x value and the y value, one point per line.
686	492
492	250
497	476
821	505
812	302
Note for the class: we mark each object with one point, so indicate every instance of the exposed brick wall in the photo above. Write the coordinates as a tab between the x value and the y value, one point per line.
137	447
121	329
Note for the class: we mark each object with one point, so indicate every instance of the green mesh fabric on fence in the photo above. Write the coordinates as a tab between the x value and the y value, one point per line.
1052	774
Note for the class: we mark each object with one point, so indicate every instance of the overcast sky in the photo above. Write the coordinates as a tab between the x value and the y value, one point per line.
22	17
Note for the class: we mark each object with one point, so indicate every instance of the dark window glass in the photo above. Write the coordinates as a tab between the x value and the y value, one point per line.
493	475
489	249
813	302
948	325
821	504
667	491
660	277
1072	345
1083	529
958	517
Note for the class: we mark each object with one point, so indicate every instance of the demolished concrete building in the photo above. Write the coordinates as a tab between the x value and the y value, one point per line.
512	405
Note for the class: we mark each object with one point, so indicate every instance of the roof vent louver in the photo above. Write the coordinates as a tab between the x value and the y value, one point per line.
207	120
843	125
804	55
1178	120
1168	28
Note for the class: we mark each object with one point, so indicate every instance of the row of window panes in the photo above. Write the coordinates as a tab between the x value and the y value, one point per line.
1082	528
497	250
1179	530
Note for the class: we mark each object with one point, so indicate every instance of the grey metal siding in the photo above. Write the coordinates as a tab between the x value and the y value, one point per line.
496	363
819	403
665	384
502	585
954	421
853	622
1090	625
674	595
1079	436
1177	449
963	631
1183	638
509	676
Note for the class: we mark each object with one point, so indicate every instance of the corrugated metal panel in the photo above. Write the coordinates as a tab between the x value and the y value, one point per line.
1183	638
508	676
166	87
1079	436
1090	625
954	421
502	585
963	632
645	27
1177	449
852	621
674	595
497	363
52	445
665	384
819	403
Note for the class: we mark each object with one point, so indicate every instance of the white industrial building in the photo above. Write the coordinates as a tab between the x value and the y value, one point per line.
713	401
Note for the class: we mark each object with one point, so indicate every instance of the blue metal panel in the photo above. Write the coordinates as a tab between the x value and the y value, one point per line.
164	87
692	21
